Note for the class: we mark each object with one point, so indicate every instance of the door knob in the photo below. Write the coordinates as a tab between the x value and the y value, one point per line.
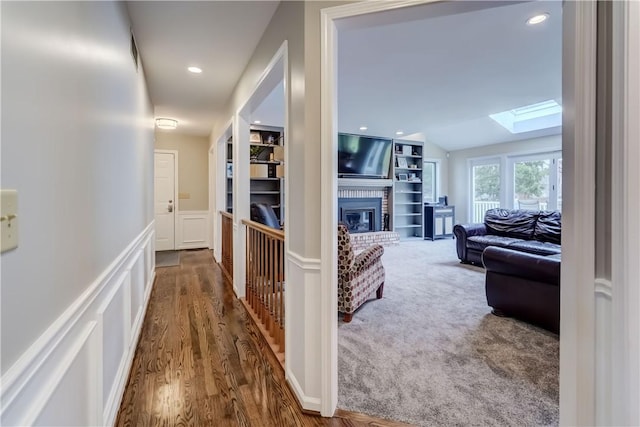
170	208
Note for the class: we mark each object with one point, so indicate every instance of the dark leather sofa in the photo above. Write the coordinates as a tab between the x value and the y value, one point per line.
524	286
520	251
536	232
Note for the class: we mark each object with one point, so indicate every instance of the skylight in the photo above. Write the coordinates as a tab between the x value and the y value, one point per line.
543	115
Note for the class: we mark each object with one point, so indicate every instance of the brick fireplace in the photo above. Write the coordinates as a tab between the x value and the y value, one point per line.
362	239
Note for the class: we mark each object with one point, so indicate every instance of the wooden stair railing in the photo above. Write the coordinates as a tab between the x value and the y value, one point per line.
227	245
265	282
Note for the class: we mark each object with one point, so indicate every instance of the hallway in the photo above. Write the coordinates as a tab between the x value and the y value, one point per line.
201	361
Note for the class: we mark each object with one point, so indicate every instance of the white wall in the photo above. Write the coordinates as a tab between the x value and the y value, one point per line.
77	144
299	24
459	179
193	167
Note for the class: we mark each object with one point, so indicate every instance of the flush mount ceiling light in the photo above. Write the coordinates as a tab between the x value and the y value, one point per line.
399	133
537	19
164	123
542	115
363	128
195	70
257	122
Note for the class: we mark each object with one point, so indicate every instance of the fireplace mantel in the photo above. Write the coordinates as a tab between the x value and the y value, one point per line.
364	183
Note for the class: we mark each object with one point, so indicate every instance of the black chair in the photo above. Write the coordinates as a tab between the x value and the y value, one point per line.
264	214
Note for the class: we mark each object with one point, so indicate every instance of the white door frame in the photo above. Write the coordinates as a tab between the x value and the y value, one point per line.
623	370
175	190
218	187
276	71
577	373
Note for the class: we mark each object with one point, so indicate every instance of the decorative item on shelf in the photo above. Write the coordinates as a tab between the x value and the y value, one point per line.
259	171
278	153
229	170
413	166
402	162
254	152
255	137
406	150
402	177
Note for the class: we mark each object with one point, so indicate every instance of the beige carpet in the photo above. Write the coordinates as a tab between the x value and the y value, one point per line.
431	354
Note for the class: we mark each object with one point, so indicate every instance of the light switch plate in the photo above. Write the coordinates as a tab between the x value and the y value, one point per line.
9	220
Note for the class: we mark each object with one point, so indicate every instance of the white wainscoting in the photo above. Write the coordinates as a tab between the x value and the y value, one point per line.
603	355
193	230
75	373
301	303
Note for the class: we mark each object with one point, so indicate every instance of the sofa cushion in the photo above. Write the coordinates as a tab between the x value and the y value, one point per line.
536	247
519	224
548	227
480	242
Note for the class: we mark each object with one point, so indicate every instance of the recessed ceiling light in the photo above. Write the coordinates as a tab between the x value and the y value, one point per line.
164	123
363	128
537	19
195	70
399	133
257	122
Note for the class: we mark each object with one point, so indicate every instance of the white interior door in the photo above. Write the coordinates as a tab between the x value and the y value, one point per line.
164	201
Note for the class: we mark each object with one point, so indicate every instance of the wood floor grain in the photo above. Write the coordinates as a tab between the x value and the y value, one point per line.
201	361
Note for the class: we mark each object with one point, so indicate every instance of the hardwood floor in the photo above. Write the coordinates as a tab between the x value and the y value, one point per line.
201	361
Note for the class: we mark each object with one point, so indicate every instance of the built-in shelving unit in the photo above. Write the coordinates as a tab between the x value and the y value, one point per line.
229	174
406	197
266	150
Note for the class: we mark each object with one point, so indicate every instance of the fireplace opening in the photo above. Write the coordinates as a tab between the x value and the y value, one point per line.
359	220
360	215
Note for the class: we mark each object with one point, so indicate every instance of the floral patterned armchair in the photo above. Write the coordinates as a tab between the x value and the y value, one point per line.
358	276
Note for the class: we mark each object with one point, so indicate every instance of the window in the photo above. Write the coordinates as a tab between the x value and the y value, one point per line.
430	180
537	181
485	184
543	115
530	182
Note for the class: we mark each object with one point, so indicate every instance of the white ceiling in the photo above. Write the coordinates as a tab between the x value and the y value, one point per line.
217	36
436	70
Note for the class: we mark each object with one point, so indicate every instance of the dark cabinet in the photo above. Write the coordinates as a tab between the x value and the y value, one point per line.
438	221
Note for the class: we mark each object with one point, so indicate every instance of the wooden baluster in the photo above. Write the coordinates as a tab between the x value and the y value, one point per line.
271	284
263	269
281	289
265	281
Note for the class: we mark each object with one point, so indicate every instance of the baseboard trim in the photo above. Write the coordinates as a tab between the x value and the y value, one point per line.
33	380
312	404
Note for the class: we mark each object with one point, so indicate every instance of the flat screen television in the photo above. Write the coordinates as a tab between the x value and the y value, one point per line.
363	156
